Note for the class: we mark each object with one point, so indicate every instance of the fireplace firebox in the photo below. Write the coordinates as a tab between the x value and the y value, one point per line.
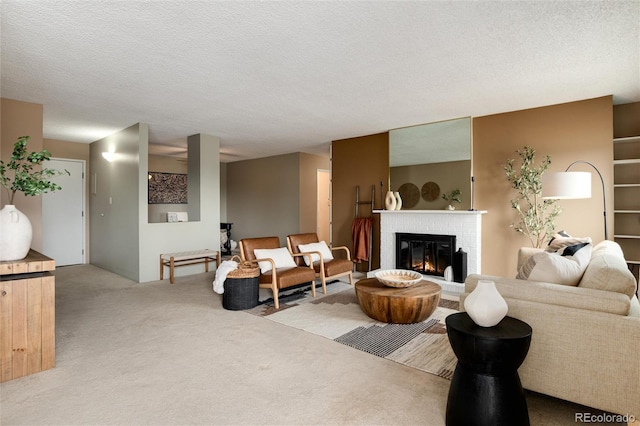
429	254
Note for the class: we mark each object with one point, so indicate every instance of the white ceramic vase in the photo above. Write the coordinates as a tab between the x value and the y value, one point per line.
448	273
398	200
450	207
390	201
15	238
485	305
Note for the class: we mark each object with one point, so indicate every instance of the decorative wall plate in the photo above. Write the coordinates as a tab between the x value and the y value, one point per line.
410	194
430	191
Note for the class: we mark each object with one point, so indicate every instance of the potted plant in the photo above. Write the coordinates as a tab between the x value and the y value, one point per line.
452	197
537	216
19	175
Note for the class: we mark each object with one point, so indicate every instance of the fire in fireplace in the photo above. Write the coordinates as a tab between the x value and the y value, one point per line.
429	254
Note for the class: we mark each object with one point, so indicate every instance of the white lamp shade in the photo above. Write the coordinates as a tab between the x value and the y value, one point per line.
565	185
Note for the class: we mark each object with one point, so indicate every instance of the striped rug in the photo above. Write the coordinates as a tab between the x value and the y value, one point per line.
337	316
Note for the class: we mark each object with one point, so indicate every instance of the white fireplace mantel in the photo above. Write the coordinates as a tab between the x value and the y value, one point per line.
466	225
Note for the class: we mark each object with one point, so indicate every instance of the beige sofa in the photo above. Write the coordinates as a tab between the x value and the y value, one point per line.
585	346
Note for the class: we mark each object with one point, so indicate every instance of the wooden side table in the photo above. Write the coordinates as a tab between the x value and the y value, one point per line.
398	305
486	388
27	316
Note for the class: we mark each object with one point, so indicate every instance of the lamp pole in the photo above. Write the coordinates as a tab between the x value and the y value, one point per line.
604	199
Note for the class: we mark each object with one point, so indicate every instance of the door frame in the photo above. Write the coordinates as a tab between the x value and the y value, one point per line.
318	201
83	196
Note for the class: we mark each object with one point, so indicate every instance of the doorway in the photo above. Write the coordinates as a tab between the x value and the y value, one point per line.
323	203
63	217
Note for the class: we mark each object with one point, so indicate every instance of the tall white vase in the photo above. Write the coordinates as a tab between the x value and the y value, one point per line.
390	201
485	305
16	233
398	200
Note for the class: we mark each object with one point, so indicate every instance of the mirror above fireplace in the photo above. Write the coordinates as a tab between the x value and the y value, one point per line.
430	158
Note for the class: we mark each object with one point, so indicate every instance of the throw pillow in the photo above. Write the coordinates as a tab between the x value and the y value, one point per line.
280	256
557	268
562	240
320	247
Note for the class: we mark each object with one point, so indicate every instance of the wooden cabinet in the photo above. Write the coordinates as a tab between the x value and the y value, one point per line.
626	163
27	316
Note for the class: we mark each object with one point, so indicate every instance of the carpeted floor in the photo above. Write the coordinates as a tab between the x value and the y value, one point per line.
159	354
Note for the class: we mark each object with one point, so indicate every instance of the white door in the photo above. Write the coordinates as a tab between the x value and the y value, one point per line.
63	214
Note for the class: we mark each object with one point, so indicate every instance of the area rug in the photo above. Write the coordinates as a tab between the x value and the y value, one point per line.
337	316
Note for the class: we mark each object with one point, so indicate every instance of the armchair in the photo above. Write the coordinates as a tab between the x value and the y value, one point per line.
277	277
324	268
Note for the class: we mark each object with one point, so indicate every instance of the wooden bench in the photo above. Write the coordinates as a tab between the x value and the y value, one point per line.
183	258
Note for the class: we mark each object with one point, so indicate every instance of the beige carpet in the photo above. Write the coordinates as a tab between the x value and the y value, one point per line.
161	354
337	316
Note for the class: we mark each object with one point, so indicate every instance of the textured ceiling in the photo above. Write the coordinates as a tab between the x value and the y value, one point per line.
276	77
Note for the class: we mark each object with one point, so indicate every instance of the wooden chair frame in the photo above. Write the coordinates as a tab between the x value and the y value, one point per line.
273	285
321	273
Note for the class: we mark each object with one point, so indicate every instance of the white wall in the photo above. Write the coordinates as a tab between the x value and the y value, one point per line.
465	225
122	240
158	238
114	200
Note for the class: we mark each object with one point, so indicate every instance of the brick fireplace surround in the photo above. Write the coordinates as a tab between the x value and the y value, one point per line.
465	225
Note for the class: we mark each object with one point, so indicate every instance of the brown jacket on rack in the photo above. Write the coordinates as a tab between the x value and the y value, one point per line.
361	233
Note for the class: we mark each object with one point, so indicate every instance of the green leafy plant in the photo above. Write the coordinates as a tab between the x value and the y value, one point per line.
453	196
537	215
19	175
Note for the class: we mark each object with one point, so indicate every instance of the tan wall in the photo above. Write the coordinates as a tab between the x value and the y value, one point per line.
165	164
449	176
263	197
567	132
23	119
65	149
362	161
626	120
75	151
309	166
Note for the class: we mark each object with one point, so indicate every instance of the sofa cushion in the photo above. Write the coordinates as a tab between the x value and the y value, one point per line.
280	256
608	270
319	247
564	267
634	309
288	277
337	266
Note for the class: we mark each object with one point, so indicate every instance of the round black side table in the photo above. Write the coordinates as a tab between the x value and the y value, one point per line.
486	388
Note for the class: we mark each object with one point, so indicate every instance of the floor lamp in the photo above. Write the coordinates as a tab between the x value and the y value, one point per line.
569	185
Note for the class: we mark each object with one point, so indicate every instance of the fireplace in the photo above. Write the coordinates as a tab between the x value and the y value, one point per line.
429	254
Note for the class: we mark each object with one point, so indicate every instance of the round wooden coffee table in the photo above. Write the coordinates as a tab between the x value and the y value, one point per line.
398	305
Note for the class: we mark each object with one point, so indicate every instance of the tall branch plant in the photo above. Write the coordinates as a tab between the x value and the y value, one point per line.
536	215
19	174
